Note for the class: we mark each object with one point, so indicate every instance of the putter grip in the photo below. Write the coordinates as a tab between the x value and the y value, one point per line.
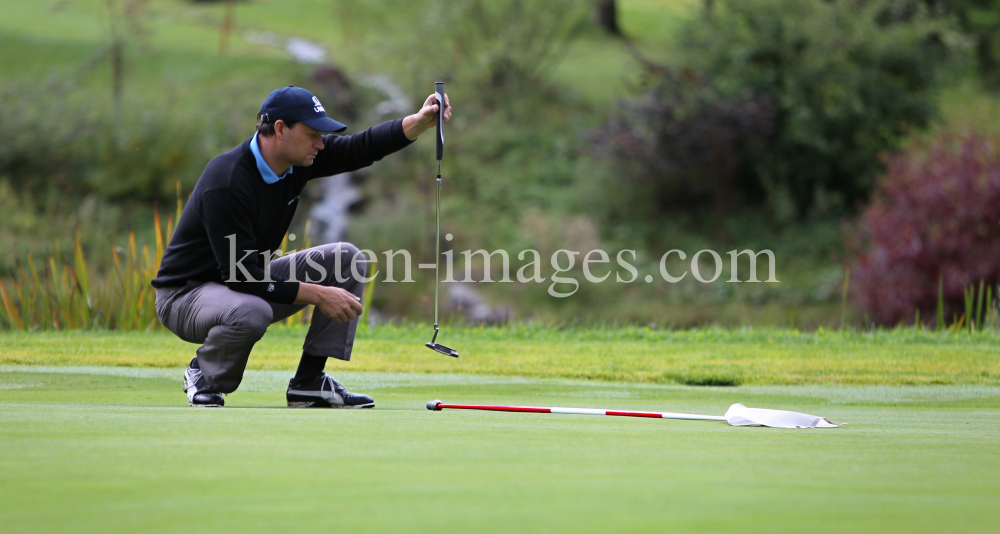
439	91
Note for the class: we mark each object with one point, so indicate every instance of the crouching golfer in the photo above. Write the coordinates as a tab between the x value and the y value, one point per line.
217	285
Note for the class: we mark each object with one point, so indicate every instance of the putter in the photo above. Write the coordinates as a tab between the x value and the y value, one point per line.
433	345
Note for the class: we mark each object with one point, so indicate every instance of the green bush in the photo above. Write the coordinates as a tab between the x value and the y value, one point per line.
58	138
980	20
844	81
847	80
70	159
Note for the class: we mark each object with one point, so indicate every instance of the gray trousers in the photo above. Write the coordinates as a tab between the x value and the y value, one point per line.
228	323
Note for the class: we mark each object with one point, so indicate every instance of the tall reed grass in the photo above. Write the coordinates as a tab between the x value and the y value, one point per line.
58	295
980	310
64	295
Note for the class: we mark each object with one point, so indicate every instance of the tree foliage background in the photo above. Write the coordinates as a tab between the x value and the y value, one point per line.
757	123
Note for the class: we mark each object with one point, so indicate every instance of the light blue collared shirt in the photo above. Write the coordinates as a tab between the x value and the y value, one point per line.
265	171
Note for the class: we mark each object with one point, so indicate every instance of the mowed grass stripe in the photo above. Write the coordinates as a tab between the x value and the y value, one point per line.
778	357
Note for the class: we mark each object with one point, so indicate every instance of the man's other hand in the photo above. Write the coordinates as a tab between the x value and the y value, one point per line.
338	304
426	118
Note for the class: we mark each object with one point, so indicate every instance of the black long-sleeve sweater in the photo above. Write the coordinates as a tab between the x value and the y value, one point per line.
232	199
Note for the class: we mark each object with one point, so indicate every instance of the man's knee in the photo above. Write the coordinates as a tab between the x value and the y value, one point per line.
351	259
346	249
252	316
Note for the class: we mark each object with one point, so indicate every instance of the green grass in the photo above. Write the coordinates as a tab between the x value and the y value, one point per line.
104	449
599	68
178	49
633	354
969	106
96	436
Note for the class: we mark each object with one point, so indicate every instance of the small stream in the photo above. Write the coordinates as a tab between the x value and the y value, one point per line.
330	213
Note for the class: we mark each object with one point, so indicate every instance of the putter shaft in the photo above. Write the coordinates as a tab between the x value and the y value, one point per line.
434	345
437	248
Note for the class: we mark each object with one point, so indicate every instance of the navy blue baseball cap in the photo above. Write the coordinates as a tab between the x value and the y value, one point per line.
296	104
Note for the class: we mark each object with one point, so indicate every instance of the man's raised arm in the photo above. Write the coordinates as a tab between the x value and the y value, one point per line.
352	152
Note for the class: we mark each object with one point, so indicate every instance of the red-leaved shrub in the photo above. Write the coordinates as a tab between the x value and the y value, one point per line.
935	213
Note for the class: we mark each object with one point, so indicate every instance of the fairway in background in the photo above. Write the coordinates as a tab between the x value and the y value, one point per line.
713	356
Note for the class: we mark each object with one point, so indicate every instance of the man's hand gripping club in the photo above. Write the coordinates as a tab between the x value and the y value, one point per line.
426	118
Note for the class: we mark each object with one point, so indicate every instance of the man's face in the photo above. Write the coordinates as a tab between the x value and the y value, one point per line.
300	144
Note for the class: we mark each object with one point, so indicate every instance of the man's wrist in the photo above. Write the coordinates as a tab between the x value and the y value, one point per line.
413	127
307	294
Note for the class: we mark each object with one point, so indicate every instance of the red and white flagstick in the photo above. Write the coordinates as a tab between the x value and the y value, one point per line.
437	405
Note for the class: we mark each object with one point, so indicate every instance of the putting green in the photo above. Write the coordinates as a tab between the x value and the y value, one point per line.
110	449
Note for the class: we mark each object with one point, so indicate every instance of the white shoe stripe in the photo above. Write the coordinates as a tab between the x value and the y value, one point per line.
335	398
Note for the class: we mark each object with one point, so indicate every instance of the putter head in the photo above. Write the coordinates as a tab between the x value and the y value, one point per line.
434	405
447	351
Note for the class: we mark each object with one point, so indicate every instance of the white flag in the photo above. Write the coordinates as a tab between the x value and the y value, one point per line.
739	415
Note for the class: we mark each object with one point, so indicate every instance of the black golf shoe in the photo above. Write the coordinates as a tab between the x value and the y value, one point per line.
197	390
324	392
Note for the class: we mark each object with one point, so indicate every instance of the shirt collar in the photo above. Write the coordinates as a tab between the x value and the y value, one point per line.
265	171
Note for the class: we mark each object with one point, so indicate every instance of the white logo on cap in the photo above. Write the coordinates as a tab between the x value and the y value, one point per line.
318	107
